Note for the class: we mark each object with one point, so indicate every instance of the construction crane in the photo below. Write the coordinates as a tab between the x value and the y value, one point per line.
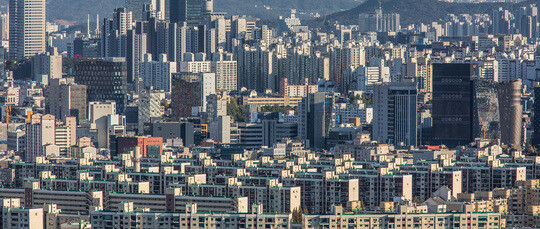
324	20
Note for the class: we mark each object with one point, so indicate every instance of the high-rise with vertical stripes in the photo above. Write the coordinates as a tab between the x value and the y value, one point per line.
26	28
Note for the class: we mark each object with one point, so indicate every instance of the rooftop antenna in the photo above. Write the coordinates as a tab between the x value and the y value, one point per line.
88	26
97	23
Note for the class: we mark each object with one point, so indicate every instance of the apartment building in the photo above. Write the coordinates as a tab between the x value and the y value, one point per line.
15	216
341	219
129	216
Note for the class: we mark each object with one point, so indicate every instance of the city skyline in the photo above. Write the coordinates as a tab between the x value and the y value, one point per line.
176	114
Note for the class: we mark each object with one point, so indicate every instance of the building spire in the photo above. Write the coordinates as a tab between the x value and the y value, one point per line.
88	26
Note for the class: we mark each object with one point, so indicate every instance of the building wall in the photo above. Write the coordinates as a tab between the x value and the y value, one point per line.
26	28
126	144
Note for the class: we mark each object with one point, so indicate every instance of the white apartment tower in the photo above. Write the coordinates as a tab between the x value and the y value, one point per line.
46	64
394	113
208	87
226	71
157	74
26	28
41	131
4	27
98	113
149	107
195	63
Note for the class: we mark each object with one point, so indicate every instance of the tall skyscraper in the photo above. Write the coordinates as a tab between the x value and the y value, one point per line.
157	73
510	110
501	21
137	46
452	104
149	107
379	22
314	117
106	80
343	58
208	87
395	113
485	111
98	114
536	117
225	68
255	68
527	21
189	93
48	65
66	98
190	11
136	8
86	48
160	8
39	132
497	111
4	27
114	35
216	106
185	94
494	113
26	28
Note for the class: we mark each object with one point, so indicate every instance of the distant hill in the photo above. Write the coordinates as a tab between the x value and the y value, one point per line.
272	9
416	11
412	11
77	10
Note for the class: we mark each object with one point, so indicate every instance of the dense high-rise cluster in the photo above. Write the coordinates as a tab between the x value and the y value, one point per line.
170	114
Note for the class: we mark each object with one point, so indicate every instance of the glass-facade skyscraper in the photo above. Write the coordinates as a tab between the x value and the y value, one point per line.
452	104
105	79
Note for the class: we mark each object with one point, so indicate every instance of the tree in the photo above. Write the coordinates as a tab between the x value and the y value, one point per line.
417	200
297	215
366	99
355	98
166	104
305	211
238	112
22	68
274	108
68	63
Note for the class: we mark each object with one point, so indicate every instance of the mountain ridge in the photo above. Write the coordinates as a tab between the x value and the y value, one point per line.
415	11
77	10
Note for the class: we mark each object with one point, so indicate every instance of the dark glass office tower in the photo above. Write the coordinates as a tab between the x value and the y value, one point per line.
185	94
314	118
452	104
510	112
190	11
536	117
105	79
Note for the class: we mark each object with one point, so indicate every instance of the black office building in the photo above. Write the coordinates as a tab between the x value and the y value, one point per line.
536	117
106	79
314	118
190	11
172	130
453	98
86	48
